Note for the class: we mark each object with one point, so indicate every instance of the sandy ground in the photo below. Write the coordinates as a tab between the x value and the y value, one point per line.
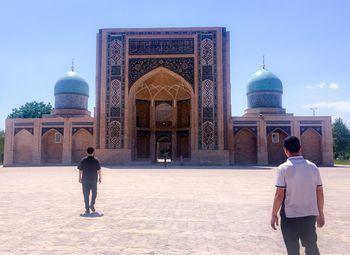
157	211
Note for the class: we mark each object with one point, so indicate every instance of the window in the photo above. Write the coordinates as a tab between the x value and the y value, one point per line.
58	138
275	137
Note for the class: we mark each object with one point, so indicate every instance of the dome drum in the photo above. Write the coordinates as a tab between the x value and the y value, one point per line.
71	101
265	100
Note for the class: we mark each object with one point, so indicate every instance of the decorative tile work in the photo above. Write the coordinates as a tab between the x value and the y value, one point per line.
53	123
83	123
207	52
208	136
287	122
207	91
116	52
161	46
207	69
140	66
267	100
271	129
58	129
76	129
245	122
17	130
303	122
24	124
252	129
115	91
115	135
318	129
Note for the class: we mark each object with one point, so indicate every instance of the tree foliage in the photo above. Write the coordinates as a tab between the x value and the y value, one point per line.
31	110
341	139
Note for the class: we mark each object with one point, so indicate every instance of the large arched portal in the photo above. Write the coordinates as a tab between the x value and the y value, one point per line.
161	116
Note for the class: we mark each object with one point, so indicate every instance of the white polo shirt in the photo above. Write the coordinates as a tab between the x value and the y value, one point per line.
300	178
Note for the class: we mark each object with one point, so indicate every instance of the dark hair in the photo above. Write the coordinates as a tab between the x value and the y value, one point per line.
90	150
292	144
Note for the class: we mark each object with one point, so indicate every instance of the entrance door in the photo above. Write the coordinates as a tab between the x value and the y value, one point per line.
163	149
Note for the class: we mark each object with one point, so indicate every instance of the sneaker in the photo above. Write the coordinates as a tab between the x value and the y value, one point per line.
92	208
87	211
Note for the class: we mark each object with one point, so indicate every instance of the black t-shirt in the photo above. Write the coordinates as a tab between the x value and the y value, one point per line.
89	165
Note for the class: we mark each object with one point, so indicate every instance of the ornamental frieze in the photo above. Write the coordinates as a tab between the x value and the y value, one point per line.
140	66
161	46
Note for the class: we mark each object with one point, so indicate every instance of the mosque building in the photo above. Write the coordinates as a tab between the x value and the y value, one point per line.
165	92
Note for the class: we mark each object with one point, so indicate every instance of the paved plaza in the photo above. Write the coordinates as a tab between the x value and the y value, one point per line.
157	211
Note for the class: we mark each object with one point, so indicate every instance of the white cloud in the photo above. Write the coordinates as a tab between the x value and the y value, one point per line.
309	87
338	106
321	85
334	85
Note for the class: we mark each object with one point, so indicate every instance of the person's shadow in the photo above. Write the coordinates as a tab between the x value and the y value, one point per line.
91	215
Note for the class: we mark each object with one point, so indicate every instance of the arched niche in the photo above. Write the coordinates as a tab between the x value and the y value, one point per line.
52	147
311	146
245	147
275	150
81	140
23	147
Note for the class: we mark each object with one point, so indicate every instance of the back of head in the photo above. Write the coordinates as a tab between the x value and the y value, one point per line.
90	151
292	144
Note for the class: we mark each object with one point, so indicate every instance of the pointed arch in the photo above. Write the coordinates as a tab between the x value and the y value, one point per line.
81	140
311	146
245	147
23	146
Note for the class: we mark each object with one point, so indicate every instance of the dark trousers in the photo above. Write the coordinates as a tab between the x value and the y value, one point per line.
302	228
86	191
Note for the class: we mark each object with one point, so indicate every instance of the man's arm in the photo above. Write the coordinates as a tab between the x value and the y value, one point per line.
320	203
99	176
277	202
80	175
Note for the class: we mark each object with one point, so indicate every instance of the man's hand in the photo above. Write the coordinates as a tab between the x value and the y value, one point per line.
274	221
99	180
320	220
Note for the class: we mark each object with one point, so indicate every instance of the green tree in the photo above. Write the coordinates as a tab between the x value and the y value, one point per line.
31	110
341	139
2	141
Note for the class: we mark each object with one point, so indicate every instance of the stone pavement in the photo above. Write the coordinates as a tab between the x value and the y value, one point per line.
157	211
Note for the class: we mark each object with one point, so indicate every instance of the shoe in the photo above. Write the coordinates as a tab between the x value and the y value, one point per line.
87	211
92	208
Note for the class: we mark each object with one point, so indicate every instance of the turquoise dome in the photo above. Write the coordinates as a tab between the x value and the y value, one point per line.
264	80
72	83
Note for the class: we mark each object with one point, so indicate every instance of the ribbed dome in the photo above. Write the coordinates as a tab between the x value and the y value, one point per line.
72	83
264	80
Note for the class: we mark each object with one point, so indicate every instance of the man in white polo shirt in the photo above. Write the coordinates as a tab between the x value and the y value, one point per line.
299	195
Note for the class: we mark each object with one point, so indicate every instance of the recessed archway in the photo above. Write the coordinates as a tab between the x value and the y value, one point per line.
275	150
52	147
311	146
162	102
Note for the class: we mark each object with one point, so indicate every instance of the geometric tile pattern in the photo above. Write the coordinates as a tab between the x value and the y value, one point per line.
30	130
115	135
318	129
285	129
207	94
88	129
115	93
140	66
116	52
207	51
208	136
161	46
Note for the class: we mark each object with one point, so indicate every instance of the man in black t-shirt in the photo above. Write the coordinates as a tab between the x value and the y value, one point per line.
89	173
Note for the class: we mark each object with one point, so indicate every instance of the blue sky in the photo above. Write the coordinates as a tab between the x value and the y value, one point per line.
306	44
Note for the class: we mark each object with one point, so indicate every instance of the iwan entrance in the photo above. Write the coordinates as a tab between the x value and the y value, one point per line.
162	106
